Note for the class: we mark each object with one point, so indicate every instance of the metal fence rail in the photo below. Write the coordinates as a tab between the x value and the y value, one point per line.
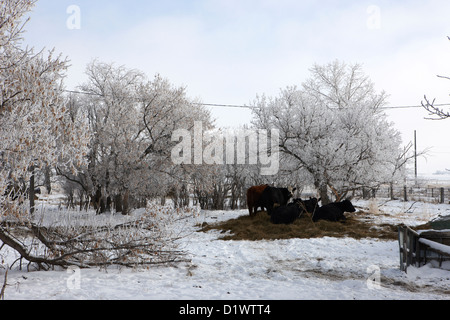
418	249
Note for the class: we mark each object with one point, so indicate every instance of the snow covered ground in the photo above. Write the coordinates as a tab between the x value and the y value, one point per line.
324	268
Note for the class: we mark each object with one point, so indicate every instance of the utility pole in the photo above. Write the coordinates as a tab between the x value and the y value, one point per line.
415	156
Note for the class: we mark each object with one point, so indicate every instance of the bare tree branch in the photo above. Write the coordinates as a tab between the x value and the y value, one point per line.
434	110
141	241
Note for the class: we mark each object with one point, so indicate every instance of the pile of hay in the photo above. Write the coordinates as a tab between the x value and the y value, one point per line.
260	228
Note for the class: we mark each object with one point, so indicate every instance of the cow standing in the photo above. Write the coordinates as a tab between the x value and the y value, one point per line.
274	197
253	198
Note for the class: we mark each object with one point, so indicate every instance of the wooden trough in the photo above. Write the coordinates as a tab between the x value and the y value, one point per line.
420	248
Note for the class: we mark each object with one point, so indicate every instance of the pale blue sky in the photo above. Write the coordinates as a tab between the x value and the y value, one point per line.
227	51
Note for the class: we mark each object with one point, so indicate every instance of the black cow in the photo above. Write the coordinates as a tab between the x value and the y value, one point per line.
333	211
274	197
310	205
287	214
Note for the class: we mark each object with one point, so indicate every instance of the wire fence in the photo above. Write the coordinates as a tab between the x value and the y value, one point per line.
423	193
427	191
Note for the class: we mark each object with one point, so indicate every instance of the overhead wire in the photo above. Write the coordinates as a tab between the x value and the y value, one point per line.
219	105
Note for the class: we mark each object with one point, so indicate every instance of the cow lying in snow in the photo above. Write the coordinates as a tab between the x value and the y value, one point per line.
287	214
291	212
333	211
310	205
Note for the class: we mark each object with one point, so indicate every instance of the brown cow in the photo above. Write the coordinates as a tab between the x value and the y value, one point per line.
253	196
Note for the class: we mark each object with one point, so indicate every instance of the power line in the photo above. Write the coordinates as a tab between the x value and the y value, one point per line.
218	105
418	106
196	103
224	105
83	92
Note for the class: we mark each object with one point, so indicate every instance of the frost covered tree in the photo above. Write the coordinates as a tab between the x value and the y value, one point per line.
36	130
333	129
131	120
42	128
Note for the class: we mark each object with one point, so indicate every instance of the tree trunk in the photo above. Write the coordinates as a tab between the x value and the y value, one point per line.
98	201
47	181
118	203
31	190
323	192
125	203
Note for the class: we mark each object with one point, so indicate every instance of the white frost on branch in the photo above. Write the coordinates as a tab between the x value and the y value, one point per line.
333	129
36	129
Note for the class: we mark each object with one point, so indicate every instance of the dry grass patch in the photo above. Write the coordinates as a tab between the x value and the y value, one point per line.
260	228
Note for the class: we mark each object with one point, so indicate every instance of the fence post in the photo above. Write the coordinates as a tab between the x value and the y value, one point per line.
401	243
442	196
405	193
